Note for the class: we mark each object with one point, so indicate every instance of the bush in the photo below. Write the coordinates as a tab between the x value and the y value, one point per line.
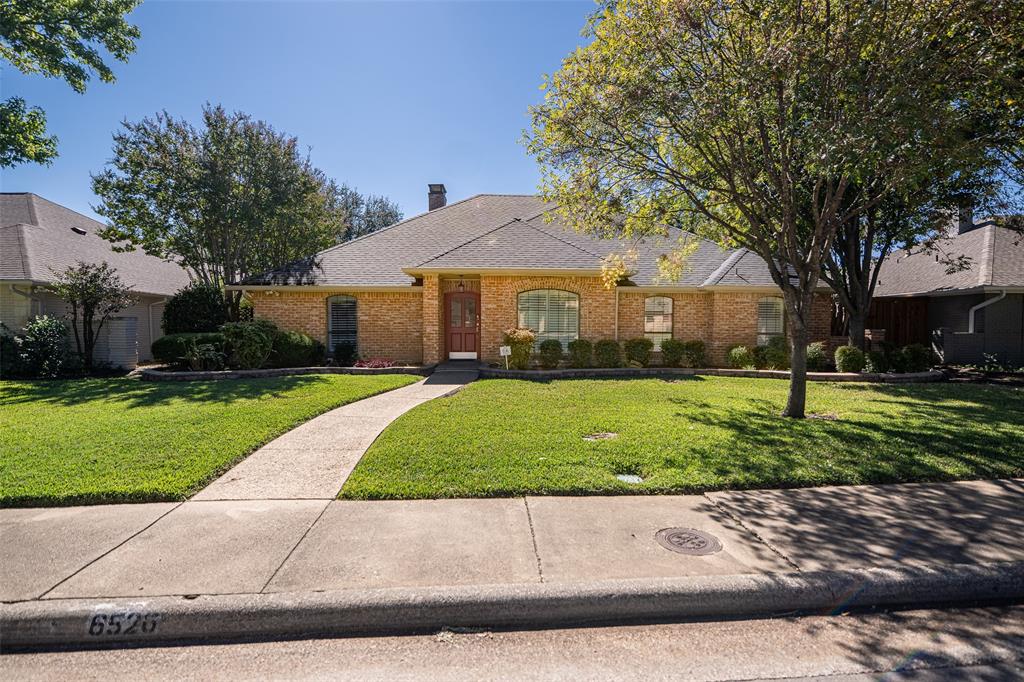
42	347
550	353
917	358
638	351
607	353
581	353
248	344
344	354
295	349
849	359
173	348
816	356
8	352
195	309
204	357
876	362
694	353
521	341
775	354
672	352
740	357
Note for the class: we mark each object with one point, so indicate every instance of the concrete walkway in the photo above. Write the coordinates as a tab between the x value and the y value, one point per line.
312	461
301	545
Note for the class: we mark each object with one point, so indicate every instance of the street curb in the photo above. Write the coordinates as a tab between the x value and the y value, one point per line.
103	622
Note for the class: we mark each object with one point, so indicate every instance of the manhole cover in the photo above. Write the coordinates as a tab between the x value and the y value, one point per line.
629	478
688	541
600	436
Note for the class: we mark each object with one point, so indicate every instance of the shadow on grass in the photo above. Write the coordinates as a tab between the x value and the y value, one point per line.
125	392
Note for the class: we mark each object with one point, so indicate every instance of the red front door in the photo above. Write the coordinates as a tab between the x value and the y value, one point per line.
462	325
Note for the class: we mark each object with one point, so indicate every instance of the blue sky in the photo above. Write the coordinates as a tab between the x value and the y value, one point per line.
389	96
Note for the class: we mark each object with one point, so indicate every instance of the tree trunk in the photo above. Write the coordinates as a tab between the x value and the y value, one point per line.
89	339
857	320
797	399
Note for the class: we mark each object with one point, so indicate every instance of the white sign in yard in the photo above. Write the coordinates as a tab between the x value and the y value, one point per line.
505	351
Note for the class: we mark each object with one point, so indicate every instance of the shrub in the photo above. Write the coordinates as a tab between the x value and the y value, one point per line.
550	353
917	358
581	353
173	348
607	353
672	352
740	357
775	354
197	308
295	349
344	354
521	341
375	363
849	359
248	344
638	351
876	361
694	353
8	352
43	347
816	356
204	357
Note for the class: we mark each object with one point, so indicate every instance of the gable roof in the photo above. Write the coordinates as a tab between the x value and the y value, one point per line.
503	232
39	237
996	260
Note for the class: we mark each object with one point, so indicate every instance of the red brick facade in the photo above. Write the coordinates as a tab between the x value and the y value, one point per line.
407	326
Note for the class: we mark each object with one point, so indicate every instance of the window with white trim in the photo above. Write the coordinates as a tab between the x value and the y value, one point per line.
771	319
658	319
341	322
551	314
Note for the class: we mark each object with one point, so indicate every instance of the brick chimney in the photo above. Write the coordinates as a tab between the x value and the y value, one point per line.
964	216
436	196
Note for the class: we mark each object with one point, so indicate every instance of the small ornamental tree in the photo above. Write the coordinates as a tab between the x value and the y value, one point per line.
197	308
93	292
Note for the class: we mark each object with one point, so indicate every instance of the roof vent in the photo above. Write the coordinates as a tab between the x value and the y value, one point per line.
78	230
437	196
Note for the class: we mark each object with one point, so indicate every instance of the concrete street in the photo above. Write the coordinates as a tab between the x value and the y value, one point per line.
971	644
253	546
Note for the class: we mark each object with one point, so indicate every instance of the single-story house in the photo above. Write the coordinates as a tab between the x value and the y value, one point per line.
966	314
39	238
446	284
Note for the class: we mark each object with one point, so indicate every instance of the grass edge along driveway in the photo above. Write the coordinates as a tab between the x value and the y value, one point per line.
124	440
502	437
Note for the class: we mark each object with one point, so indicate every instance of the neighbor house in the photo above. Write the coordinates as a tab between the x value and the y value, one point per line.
447	283
966	314
39	238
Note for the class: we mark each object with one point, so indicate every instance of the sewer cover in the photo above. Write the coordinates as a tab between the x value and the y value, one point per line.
688	541
629	478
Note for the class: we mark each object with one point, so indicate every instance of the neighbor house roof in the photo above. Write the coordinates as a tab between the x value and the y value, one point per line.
493	232
995	255
39	237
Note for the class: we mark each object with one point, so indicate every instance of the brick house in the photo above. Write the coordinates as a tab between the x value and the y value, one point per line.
445	284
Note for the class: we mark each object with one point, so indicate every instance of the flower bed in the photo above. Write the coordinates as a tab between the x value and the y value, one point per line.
625	372
150	374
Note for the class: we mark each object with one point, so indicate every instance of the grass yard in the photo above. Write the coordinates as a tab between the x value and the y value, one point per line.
117	440
507	437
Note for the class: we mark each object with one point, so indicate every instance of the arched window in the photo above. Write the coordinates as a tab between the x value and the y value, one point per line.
551	313
770	319
658	319
341	322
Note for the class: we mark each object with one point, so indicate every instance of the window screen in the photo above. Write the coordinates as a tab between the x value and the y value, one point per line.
341	321
658	319
770	320
551	313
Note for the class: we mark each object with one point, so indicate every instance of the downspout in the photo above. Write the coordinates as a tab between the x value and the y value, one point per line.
984	304
616	312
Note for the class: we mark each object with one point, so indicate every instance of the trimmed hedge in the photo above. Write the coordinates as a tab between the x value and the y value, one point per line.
607	353
295	349
816	356
195	309
740	357
173	348
550	352
581	354
672	352
849	359
695	353
638	351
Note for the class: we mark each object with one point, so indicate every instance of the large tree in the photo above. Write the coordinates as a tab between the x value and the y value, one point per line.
58	39
229	199
766	124
367	213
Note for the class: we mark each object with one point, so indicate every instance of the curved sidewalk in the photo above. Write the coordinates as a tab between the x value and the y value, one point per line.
313	460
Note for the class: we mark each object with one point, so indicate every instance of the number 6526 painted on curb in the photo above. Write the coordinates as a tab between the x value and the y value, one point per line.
123	623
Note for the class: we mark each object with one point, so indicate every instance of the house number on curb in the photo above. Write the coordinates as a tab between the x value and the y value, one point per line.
123	623
688	541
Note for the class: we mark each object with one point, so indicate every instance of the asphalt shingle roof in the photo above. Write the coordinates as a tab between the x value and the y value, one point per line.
39	237
497	231
996	260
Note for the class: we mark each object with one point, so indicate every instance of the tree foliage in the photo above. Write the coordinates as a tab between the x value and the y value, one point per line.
94	292
58	39
367	213
766	124
196	308
227	200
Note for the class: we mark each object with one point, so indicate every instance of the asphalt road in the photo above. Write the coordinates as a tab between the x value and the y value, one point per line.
968	644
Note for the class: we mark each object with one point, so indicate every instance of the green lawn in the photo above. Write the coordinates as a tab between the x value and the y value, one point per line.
506	437
109	440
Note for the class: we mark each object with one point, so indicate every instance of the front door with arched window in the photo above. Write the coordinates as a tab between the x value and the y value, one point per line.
462	325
